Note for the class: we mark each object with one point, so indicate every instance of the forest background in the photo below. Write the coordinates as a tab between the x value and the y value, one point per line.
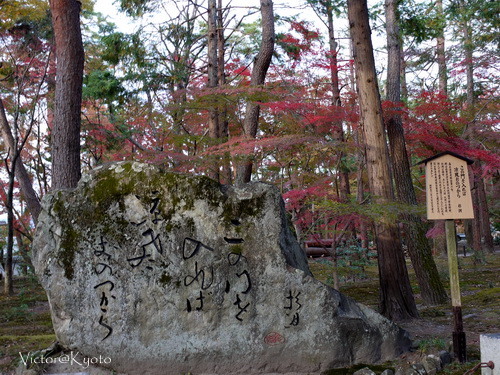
239	93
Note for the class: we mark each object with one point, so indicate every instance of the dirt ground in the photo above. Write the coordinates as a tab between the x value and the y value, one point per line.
25	324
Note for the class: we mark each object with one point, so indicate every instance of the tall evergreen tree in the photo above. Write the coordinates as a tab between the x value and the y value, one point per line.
396	297
431	287
259	72
66	169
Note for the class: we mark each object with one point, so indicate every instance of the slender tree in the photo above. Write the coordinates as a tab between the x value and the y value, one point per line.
261	65
213	70
431	287
20	171
440	50
70	57
326	8
396	297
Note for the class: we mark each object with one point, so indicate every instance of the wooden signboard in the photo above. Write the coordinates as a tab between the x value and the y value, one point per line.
447	187
449	198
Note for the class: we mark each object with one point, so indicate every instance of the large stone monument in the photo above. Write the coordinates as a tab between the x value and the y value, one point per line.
169	274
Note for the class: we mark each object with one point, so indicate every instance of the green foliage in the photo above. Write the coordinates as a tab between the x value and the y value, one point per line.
18	313
389	211
482	18
420	20
100	84
19	11
136	8
432	344
247	40
337	7
352	260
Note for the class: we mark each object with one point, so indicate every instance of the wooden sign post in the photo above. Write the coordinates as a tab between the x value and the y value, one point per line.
449	198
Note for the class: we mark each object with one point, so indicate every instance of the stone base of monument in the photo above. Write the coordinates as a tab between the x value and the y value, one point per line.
167	274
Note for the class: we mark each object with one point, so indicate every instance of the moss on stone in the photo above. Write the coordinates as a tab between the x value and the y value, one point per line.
165	279
66	255
244	208
111	185
236	249
69	236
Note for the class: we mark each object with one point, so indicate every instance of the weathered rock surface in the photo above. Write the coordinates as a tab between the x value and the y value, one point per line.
169	274
364	371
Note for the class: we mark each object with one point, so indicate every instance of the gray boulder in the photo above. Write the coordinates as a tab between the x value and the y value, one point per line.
164	274
364	371
432	364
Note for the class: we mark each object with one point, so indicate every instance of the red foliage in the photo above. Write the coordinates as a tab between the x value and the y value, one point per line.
436	124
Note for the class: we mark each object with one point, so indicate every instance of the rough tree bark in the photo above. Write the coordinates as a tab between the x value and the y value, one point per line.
213	81
226	176
475	238
343	174
396	297
469	66
213	62
70	57
486	237
419	249
259	71
440	51
481	234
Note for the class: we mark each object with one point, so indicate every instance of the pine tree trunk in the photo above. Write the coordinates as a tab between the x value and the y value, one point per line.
440	51
338	134
486	237
9	272
469	49
51	87
213	82
396	297
70	56
419	249
476	222
226	175
404	84
360	195
259	71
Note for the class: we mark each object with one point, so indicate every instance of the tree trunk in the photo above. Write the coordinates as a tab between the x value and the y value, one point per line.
259	71
23	177
440	51
484	215
404	84
70	57
431	288
338	133
476	222
396	297
51	86
24	251
469	49
226	176
9	272
213	81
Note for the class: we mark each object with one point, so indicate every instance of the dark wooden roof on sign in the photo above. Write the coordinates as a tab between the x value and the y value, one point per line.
469	161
